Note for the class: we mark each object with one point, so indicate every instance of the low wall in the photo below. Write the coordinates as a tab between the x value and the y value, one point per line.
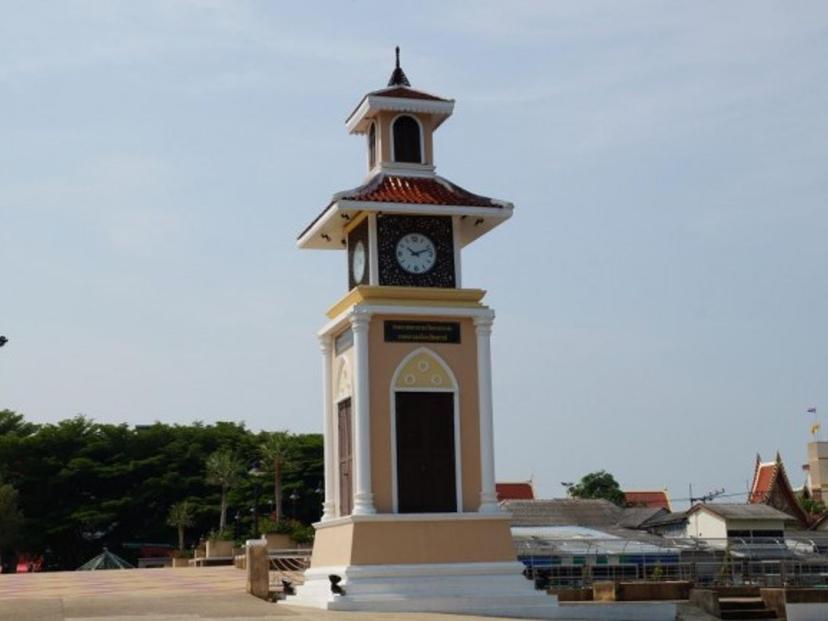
706	600
617	611
279	541
219	549
652	591
603	591
607	591
806	596
565	594
736	591
797	604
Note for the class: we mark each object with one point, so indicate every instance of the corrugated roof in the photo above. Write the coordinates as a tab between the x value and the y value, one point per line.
563	512
733	511
636	517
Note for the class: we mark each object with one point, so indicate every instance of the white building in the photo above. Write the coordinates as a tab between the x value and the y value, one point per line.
736	521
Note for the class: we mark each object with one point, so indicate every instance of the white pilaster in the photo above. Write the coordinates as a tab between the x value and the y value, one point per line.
328	506
373	250
488	495
363	496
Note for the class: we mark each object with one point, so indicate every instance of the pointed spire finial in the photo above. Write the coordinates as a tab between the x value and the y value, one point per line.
398	78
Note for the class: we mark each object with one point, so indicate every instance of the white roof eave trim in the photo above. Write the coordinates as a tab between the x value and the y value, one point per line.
357	122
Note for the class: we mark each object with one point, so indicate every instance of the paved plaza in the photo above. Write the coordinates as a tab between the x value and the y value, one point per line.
154	595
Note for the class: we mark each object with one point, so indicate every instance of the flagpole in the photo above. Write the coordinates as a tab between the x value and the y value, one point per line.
816	428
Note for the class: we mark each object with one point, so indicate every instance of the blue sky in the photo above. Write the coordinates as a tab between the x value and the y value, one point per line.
661	289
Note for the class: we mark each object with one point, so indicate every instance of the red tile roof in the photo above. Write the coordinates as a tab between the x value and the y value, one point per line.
415	190
515	491
771	486
652	499
762	480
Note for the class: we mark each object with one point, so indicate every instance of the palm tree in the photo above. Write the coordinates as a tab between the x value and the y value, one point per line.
223	470
275	450
180	517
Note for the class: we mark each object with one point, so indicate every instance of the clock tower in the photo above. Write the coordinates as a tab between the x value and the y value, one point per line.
410	516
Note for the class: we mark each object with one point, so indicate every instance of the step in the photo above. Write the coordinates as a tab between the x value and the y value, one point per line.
753	613
746	603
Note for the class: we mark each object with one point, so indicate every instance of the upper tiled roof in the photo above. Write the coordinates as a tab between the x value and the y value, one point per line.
405	93
515	491
415	190
652	499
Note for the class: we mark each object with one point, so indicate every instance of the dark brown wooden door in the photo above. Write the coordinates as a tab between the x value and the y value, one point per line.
346	459
425	452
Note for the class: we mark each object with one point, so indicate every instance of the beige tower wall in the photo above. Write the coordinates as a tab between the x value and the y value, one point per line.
818	469
399	542
462	359
384	125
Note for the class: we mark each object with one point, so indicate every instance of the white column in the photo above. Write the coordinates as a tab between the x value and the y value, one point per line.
488	495
329	505
363	496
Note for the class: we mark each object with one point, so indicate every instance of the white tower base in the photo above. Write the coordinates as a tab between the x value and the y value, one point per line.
487	589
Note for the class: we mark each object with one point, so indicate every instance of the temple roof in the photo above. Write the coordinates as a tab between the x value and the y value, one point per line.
771	486
648	498
521	490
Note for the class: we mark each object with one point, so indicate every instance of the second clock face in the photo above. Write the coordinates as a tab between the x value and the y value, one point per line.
358	262
416	253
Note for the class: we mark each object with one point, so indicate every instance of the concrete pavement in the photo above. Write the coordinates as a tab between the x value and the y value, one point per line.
186	594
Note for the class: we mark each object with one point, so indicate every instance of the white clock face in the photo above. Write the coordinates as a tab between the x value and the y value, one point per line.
416	253
358	262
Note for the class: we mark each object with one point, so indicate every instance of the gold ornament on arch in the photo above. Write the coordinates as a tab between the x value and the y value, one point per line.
424	370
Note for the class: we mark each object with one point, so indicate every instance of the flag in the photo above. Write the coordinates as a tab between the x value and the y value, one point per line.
814	428
811	410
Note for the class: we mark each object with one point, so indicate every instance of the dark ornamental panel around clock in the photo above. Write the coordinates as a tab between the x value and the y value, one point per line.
357	236
408	244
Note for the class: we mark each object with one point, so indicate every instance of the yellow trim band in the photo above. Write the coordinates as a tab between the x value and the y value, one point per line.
407	296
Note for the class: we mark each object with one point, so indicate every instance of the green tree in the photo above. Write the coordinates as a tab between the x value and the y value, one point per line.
223	470
181	517
599	484
811	505
12	422
275	449
83	484
10	520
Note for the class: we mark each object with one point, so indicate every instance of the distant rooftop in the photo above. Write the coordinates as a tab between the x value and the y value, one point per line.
735	511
